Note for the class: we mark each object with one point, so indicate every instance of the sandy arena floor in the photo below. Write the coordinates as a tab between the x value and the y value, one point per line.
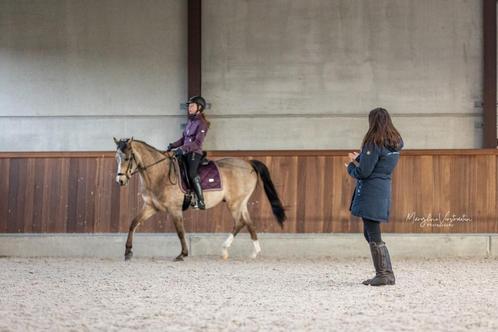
249	295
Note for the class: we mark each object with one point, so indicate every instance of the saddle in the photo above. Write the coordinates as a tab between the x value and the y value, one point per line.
209	174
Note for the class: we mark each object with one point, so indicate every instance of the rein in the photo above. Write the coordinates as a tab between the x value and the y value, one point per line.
145	168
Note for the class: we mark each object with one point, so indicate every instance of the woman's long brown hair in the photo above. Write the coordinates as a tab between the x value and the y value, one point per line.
205	119
382	131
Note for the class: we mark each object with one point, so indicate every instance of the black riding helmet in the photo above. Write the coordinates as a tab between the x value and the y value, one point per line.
199	101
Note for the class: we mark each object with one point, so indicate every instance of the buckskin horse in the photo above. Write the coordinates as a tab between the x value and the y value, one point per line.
160	189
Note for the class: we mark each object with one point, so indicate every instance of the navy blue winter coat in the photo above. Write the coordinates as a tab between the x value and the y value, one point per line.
372	195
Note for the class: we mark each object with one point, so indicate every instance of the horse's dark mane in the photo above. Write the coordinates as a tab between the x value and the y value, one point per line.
123	144
148	146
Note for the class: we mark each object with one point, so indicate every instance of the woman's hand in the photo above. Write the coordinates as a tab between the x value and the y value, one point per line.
352	158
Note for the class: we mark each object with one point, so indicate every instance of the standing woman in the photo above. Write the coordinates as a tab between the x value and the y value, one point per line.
372	168
189	146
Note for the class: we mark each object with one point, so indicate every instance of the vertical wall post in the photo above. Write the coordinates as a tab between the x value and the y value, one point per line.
194	47
489	74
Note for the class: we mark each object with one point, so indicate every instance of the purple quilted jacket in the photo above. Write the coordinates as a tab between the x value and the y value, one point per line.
193	135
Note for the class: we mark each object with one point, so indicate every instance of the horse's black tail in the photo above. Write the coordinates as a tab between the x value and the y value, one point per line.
271	192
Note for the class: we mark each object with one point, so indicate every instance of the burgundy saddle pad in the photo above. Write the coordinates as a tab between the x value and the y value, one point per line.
209	174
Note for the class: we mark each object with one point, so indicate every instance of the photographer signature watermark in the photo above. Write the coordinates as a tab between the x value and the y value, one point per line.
438	220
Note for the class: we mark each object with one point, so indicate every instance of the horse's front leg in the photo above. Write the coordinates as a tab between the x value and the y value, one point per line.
180	230
144	214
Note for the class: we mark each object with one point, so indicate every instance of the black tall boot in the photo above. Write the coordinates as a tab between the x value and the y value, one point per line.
382	262
198	193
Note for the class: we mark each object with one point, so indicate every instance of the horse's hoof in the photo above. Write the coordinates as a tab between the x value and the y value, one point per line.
128	256
224	254
179	259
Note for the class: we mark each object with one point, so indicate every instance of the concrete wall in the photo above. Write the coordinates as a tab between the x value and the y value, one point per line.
75	73
304	74
280	74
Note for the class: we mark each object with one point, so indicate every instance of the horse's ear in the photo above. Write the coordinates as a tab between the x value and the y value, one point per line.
130	140
115	140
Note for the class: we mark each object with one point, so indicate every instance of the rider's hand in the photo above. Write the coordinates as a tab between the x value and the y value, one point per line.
179	152
169	148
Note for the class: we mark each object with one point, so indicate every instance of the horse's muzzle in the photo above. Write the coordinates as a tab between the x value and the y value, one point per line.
122	180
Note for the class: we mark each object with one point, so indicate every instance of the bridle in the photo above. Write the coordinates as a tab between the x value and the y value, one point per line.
132	159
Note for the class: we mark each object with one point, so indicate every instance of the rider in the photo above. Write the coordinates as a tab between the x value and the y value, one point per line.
189	147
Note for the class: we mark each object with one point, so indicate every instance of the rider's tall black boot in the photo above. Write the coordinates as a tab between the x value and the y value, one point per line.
198	193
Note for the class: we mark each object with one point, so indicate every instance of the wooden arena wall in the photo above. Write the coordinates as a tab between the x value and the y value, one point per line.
448	191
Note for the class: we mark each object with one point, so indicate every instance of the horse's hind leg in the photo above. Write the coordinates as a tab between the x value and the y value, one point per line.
252	230
238	224
228	242
180	231
144	214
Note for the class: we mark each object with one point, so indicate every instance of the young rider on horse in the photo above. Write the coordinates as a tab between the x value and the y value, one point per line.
189	146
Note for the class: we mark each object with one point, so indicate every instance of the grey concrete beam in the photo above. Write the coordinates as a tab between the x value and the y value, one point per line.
438	245
493	246
87	245
273	245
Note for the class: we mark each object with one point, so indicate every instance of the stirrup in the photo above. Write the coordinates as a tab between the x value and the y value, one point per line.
200	208
194	203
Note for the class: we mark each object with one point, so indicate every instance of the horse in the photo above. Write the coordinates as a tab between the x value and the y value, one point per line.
160	190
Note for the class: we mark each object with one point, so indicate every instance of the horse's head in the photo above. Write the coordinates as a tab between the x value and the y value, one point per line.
126	160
